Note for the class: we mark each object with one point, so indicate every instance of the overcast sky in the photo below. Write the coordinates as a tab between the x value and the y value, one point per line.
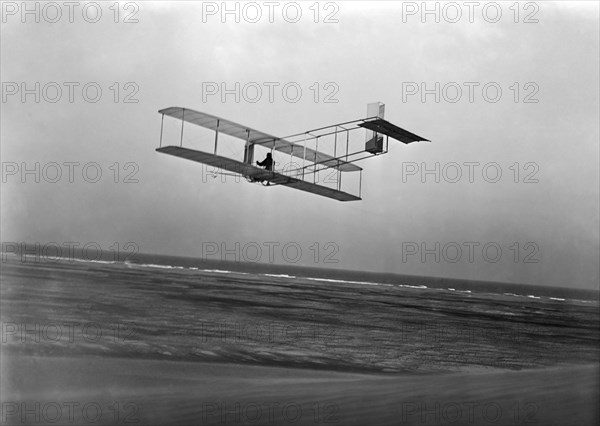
541	131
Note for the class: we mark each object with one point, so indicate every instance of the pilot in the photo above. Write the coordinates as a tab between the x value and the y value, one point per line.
267	163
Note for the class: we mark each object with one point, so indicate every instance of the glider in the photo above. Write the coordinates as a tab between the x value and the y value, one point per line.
295	146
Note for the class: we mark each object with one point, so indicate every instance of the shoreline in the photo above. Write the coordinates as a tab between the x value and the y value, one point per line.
342	276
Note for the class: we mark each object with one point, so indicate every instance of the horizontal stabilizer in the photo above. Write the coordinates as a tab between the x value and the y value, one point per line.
386	128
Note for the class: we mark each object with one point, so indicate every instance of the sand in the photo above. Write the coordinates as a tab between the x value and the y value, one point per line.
95	390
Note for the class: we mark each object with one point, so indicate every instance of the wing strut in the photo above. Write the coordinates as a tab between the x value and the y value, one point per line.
315	161
304	157
360	185
216	136
162	121
182	121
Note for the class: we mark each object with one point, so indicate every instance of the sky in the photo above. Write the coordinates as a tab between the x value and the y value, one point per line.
507	189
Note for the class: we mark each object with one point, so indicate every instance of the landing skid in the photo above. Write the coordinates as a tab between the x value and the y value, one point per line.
254	180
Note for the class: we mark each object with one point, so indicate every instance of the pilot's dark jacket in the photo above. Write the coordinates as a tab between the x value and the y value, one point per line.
267	163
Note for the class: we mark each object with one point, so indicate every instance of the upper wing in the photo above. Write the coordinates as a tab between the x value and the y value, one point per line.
255	172
386	128
256	137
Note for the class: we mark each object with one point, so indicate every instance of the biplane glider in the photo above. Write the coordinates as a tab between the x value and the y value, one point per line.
306	165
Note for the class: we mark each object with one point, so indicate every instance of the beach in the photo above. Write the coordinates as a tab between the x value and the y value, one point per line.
113	343
189	393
